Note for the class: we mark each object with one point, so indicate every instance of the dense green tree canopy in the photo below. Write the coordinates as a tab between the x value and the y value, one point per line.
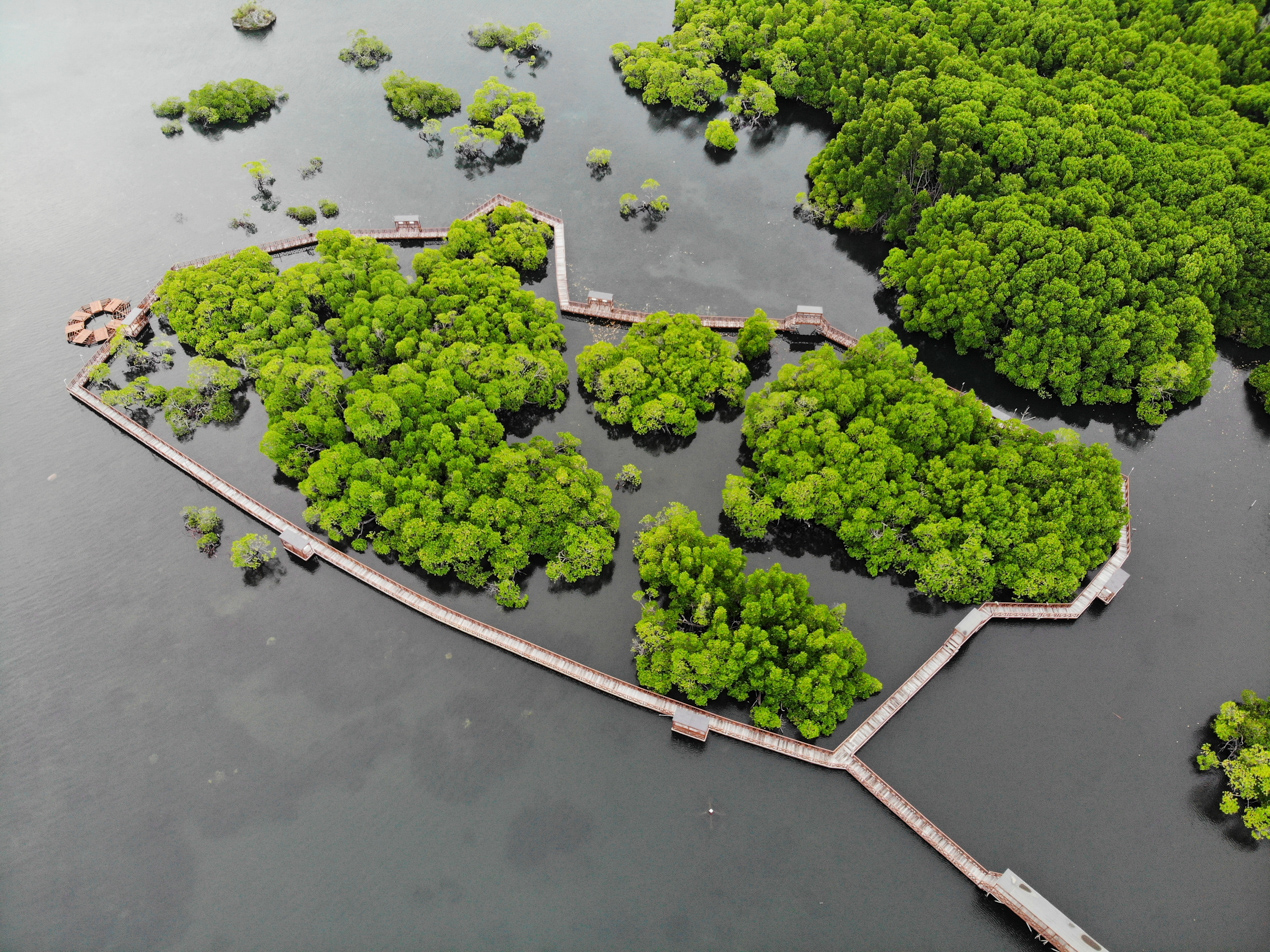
709	629
1243	727
238	102
407	453
521	41
1260	381
414	98
666	371
502	114
914	477
755	339
366	51
1081	189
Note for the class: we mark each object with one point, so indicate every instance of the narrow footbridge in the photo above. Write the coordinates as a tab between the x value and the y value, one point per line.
1045	920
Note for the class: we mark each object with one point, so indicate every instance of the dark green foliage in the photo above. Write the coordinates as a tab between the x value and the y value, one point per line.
206	397
1243	727
171	108
914	477
367	51
414	98
709	629
328	208
666	371
408	454
252	551
1082	190
721	135
755	339
1260	381
304	214
524	41
234	103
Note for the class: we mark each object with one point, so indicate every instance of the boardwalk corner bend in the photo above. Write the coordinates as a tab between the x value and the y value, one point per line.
1044	919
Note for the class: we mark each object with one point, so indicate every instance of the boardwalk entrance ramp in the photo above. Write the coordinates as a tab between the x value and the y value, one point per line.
1041	914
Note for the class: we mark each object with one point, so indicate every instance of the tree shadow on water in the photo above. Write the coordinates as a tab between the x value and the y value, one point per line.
272	572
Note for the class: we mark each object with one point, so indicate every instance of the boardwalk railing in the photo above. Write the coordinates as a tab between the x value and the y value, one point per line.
1038	913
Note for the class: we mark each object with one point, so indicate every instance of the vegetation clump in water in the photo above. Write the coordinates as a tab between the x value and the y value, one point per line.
304	214
667	370
629	477
709	629
328	208
914	477
1243	727
251	17
598	159
1027	162
650	204
408	454
412	98
366	52
235	103
757	334
1259	379
721	135
500	115
205	523
524	42
252	551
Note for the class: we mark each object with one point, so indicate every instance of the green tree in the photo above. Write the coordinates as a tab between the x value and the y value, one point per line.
501	114
236	103
754	103
252	551
304	214
412	98
328	208
755	339
1243	727
667	370
599	158
629	477
524	41
721	135
366	51
1259	380
171	108
708	629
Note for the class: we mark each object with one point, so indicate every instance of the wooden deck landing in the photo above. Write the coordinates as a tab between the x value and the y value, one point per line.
1043	918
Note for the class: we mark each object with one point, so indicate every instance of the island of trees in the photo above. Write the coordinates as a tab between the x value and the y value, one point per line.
412	98
251	17
237	102
1243	730
1079	191
914	477
668	370
407	454
366	51
709	629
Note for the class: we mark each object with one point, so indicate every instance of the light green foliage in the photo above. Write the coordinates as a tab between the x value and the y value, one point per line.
666	371
628	204
251	17
99	377
171	129
252	551
650	203
171	108
680	67
205	523
1243	726
630	477
408	453
304	214
235	103
141	394
1259	379
523	42
413	98
259	171
754	103
1081	190
139	357
367	51
709	629
721	135
314	167
503	115
206	397
328	208
914	477
599	158
755	339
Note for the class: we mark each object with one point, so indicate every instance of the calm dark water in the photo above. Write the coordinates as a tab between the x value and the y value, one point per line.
188	762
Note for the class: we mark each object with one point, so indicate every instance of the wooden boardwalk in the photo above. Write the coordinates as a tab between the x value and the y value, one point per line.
1041	916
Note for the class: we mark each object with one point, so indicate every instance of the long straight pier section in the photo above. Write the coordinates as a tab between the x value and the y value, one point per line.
1040	915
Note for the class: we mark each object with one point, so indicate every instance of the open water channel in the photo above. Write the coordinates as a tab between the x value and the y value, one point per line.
189	762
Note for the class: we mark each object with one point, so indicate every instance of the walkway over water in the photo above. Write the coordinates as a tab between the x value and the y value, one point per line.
1040	915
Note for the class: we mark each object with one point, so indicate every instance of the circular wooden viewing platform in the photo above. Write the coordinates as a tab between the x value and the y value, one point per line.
77	331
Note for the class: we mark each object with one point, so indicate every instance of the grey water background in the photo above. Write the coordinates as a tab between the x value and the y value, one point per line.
191	762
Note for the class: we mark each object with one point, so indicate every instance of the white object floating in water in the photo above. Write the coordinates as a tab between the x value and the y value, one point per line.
52	476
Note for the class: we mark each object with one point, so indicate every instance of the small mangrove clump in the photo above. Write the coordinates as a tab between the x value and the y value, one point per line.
1259	380
205	523
498	114
99	377
315	166
171	108
328	208
171	129
412	98
238	102
755	339
597	160
251	17
304	214
631	477
721	135
244	222
367	51
523	42
252	551
1243	727
655	208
